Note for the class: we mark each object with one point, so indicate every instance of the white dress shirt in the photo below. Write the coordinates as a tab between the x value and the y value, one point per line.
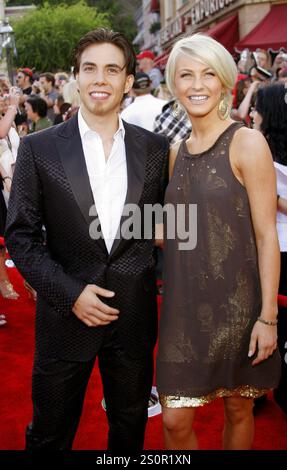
108	178
143	111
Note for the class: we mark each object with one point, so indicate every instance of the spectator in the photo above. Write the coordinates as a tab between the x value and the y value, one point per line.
24	80
36	109
172	123
145	108
146	65
282	76
163	92
60	108
49	92
61	78
262	58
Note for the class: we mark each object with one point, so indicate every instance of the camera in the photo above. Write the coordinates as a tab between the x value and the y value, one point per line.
264	73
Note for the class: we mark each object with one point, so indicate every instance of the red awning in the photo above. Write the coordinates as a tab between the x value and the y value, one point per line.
270	33
154	6
161	60
225	32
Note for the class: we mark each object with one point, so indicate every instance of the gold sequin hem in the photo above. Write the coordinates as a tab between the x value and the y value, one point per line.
173	401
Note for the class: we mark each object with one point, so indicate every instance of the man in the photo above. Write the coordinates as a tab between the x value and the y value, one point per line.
96	291
146	65
173	123
49	92
24	80
145	107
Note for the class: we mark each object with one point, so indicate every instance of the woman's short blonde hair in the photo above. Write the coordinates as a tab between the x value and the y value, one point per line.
208	51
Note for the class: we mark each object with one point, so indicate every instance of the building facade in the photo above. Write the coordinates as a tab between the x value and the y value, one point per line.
148	20
188	16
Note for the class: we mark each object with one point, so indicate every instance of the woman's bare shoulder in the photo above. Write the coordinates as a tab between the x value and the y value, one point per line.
246	138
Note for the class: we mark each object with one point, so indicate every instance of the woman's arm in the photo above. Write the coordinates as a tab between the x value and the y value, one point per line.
7	120
255	165
242	112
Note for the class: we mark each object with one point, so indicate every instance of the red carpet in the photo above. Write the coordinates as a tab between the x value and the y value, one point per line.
17	343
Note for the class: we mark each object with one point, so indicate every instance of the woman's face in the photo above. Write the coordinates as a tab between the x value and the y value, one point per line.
197	87
256	119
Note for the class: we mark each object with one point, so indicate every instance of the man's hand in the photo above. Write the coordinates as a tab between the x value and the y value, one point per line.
91	310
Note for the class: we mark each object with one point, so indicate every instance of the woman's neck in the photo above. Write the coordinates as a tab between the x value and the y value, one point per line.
206	129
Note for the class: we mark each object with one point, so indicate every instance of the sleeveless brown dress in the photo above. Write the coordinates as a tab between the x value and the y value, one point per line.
212	294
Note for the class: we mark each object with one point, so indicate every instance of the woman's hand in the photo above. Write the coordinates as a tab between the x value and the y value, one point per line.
14	96
264	339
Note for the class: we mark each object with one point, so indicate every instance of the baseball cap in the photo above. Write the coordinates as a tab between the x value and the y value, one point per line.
146	55
142	81
26	71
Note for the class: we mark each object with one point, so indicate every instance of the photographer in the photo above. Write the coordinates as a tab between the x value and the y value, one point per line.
259	77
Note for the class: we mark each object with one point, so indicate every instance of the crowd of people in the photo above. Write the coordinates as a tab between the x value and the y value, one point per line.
226	127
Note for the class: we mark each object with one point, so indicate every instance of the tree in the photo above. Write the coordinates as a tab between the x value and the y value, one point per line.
120	12
13	3
46	37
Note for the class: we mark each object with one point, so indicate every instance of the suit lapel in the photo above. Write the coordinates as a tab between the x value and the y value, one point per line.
70	149
136	154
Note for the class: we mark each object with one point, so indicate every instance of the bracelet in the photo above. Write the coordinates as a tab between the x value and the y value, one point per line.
7	178
267	322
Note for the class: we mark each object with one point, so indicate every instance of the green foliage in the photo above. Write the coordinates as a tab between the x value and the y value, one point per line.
120	12
46	37
120	15
12	3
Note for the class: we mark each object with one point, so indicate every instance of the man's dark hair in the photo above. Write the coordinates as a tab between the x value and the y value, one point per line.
38	106
49	77
103	35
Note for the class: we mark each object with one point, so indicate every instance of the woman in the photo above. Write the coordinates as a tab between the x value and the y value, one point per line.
270	117
218	332
9	142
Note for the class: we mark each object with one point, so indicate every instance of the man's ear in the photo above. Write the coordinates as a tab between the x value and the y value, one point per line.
129	83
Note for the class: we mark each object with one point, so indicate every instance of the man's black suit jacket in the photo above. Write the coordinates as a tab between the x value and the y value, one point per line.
51	187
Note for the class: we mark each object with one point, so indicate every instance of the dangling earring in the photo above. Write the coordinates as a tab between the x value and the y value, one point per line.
175	110
223	108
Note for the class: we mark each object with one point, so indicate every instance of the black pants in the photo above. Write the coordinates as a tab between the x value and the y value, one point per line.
282	331
58	392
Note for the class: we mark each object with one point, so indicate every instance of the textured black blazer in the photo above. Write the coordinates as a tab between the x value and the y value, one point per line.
51	187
